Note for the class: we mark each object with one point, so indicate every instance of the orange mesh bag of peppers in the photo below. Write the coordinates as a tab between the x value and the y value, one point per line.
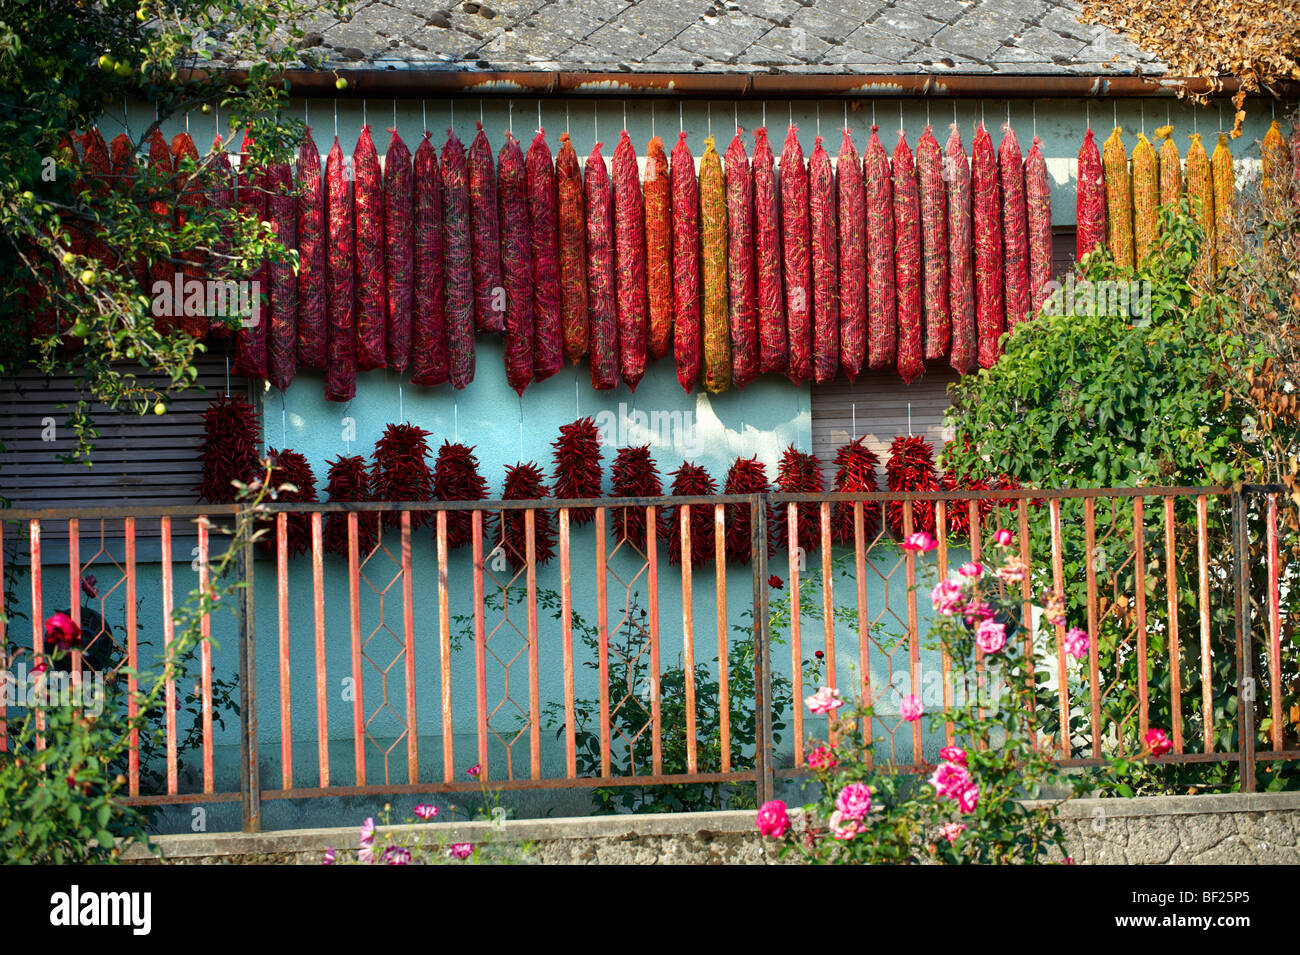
1171	169
578	470
602	347
1276	160
1015	229
341	335
741	286
282	324
635	474
691	480
986	213
516	263
457	269
401	471
399	251
1038	221
855	473
686	265
882	301
229	449
907	263
961	265
1221	173
745	476
456	478
658	250
185	162
368	218
1200	196
1090	199
428	296
348	482
796	259
629	263
485	235
573	251
1146	197
312	315
290	467
910	468
1119	200
250	339
825	264
770	294
934	245
548	347
852	217
713	257
524	482
799	472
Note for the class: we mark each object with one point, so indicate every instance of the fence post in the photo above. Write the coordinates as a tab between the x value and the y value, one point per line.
764	785
1245	677
250	783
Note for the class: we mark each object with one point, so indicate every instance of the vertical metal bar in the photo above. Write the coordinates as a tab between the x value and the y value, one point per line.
1175	662
1140	586
38	619
74	594
864	627
354	601
205	658
720	602
169	633
282	595
1062	677
828	596
1207	674
322	692
652	583
480	655
1027	614
1094	687
408	639
794	554
133	661
4	643
688	631
941	534
602	629
566	638
764	785
444	648
1274	628
534	692
1245	653
250	776
913	632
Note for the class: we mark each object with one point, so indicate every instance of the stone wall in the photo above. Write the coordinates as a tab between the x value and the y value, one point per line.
1175	830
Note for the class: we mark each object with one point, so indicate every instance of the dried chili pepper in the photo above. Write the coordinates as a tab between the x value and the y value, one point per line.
456	478
485	234
910	468
578	470
855	473
341	338
348	482
796	259
658	250
428	291
312	310
399	251
517	264
629	263
602	348
548	345
745	476
219	183
799	472
401	471
713	256
1038	220
907	263
573	251
742	305
1090	202
185	164
825	264
882	301
986	213
686	265
229	450
282	323
368	218
961	267
934	245
691	480
635	474
457	270
767	259
524	482
290	468
1015	230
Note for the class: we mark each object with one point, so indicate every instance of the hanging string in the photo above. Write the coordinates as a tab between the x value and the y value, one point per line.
819	120
480	111
909	419
521	427
510	116
846	116
452	104
336	118
853	411
284	422
539	115
347	442
765	114
1033	111
790	104
424	113
927	113
576	385
680	121
900	118
652	119
227	376
710	109
401	407
306	114
364	121
455	422
1087	114
624	115
566	115
736	116
1114	110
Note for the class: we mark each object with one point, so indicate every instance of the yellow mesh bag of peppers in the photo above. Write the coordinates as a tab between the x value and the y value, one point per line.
796	259
882	304
602	345
485	235
1038	221
1277	170
1119	200
428	296
573	251
686	265
961	264
1221	172
691	480
457	269
548	344
1200	196
399	251
1146	198
516	263
742	304
368	215
312	320
825	261
1171	170
767	259
713	250
1015	229
629	263
1090	199
341	338
986	214
658	250
934	245
852	218
907	263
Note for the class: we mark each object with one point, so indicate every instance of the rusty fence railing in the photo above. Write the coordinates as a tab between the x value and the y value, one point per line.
381	649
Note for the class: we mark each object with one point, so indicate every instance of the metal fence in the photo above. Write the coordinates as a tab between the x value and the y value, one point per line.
1183	591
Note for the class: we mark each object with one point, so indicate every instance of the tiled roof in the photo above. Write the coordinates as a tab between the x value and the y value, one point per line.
721	36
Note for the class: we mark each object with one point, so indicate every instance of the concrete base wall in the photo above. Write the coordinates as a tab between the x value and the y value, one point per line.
1174	830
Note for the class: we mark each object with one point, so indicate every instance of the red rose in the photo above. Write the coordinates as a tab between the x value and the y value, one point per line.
775	582
62	630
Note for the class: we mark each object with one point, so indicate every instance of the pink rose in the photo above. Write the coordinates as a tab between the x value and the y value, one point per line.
949	779
968	798
854	801
910	709
1003	538
843	827
947	597
991	636
773	821
1077	642
972	569
824	701
822	758
977	611
953	754
952	830
920	542
1158	742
